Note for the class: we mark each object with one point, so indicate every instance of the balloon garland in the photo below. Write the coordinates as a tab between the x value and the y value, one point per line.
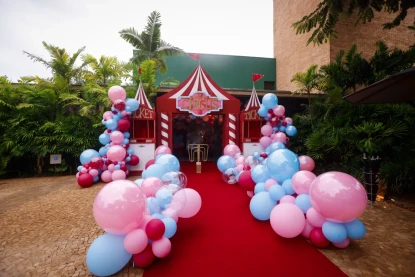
114	159
283	189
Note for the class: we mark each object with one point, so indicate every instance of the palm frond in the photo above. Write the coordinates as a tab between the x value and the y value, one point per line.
133	37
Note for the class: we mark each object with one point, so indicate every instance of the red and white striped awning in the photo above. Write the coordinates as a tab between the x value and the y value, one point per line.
253	103
199	81
142	98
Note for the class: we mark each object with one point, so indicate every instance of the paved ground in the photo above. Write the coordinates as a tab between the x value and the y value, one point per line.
46	227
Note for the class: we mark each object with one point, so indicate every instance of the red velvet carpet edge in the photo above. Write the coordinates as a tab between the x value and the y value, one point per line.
224	239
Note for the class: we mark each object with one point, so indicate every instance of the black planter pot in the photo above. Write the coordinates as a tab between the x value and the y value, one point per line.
371	170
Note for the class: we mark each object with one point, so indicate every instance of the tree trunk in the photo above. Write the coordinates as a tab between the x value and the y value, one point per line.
39	164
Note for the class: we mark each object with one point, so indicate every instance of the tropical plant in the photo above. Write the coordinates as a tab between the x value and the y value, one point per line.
307	81
106	70
149	45
324	18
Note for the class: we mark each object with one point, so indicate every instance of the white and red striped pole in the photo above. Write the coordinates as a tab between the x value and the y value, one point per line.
232	129
164	129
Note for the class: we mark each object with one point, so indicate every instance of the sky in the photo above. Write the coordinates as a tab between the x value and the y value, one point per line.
229	27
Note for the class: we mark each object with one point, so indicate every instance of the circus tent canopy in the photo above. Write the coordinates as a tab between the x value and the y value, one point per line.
142	98
253	103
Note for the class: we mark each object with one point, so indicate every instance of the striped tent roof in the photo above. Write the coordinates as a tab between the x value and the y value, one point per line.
142	98
199	81
253	103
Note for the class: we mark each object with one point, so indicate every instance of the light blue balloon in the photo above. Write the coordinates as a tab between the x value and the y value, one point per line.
88	155
103	151
117	167
132	104
130	151
164	197
139	182
355	229
155	170
79	168
225	162
259	187
126	135
111	124
260	174
303	202
126	141
128	159
269	100
151	205
116	117
262	111
276	192
283	164
144	174
276	146
261	205
107	255
169	162
171	227
96	179
288	187
291	131
158	216
334	232
282	128
255	155
104	139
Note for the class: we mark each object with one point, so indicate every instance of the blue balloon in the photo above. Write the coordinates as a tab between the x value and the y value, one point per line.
260	173
126	141
269	100
259	187
107	255
103	151
117	117
355	229
283	164
130	151
117	167
144	174
225	162
128	159
334	232
255	155
111	124
164	197
158	216
276	146
169	162
171	227
262	111
276	192
261	205
155	170
96	179
291	131
126	135
104	139
282	128
88	155
132	104
139	182
303	202
151	204
288	187
79	168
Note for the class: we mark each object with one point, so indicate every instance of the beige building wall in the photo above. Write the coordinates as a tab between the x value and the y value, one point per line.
293	55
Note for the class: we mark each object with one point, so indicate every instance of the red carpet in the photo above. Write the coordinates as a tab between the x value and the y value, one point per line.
224	239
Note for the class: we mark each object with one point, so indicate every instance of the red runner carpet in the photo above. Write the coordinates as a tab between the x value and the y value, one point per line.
224	239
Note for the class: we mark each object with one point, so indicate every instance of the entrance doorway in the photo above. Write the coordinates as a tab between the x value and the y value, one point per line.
189	129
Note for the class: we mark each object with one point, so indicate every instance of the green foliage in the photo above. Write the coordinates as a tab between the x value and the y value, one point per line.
308	81
322	21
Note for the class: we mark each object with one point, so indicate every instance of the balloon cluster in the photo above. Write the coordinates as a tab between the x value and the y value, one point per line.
113	160
284	190
140	217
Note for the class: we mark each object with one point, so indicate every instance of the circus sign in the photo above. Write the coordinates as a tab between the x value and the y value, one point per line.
199	104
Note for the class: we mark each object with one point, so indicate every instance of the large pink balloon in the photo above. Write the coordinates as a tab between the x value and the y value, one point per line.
162	150
338	196
135	241
231	150
151	185
265	141
107	115
306	163
266	130
117	137
280	137
119	207
288	199
116	153
106	176
116	92
287	220
161	248
315	219
118	175
193	203
302	180
279	110
307	229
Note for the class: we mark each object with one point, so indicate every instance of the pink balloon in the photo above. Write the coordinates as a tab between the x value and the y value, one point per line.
231	150
161	248
307	229
116	153
77	175
239	167
151	185
269	183
116	92
240	160
338	196
287	199
265	141
266	130
107	115
306	163
314	218
117	137
342	244
124	113
287	220
288	120
279	110
118	175
193	203
119	207
93	172
84	170
250	194
162	150
280	137
176	206
111	168
302	180
135	241
106	176
145	220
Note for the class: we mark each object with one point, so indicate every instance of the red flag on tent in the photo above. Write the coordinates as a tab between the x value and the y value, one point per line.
139	70
194	56
256	77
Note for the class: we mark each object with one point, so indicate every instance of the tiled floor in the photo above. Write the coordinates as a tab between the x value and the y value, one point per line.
46	227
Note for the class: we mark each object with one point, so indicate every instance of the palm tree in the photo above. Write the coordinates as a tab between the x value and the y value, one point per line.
62	64
106	69
307	81
149	45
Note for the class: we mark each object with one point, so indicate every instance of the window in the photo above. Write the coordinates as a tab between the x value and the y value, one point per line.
269	85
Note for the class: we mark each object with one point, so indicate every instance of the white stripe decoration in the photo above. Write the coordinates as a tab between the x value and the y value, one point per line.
232	129
164	130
